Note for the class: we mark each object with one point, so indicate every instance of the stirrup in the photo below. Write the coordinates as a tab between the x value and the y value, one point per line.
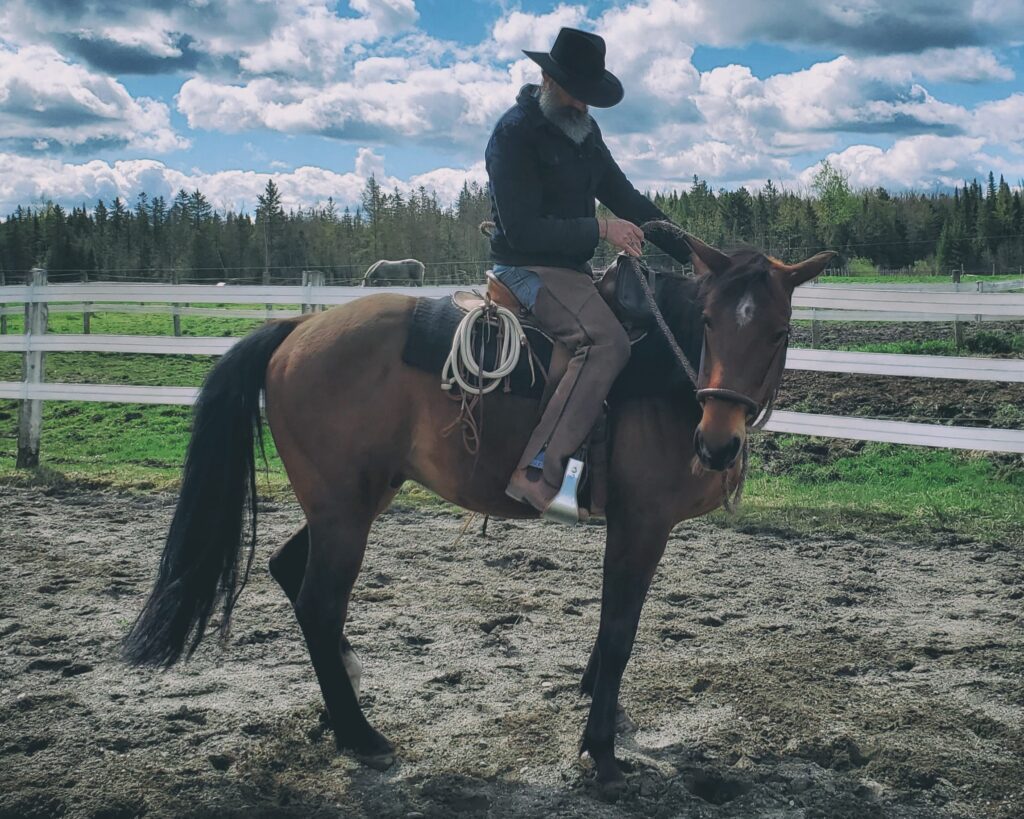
565	507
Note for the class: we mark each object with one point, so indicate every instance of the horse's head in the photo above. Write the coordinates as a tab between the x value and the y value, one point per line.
747	304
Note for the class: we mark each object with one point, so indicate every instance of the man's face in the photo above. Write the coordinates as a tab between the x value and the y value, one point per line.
562	97
563	109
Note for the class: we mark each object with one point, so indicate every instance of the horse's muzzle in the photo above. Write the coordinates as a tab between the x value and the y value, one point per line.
716	458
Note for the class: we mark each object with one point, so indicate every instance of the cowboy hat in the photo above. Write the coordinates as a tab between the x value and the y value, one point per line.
576	63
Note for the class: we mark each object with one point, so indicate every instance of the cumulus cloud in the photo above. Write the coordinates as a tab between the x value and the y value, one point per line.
866	26
534	32
294	37
923	162
363	72
49	104
1002	119
388	101
26	180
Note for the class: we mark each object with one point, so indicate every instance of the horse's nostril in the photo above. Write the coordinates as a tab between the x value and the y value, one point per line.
737	442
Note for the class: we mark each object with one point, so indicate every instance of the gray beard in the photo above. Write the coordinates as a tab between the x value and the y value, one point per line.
570	121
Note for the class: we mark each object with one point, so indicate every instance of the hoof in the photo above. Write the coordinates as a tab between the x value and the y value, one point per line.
609	782
372	744
379	762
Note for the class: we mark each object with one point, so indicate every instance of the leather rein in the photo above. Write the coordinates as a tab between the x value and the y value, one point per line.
758	412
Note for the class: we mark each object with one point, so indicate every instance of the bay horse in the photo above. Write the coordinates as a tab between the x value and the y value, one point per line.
352	423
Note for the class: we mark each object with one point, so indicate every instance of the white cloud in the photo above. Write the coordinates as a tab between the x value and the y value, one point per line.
1001	121
920	162
533	32
50	104
391	100
303	38
364	73
27	180
863	26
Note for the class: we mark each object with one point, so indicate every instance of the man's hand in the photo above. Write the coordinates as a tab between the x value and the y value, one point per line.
624	235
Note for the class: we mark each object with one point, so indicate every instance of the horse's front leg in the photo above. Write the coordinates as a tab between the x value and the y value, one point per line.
632	552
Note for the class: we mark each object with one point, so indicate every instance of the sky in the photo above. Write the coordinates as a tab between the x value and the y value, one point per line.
105	98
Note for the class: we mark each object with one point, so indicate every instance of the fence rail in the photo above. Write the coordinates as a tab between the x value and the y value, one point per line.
839	302
832	361
881	300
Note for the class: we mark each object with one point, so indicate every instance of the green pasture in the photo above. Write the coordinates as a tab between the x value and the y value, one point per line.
796	482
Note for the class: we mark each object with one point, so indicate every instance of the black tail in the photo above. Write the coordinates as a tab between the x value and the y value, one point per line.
200	564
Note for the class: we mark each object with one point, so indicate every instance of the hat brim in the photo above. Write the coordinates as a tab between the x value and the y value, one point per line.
603	92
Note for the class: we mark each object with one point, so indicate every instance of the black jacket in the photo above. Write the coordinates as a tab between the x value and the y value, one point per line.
543	187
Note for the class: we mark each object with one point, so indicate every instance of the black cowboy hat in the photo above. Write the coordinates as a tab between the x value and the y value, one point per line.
576	63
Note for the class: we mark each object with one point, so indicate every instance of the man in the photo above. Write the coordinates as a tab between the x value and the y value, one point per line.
547	163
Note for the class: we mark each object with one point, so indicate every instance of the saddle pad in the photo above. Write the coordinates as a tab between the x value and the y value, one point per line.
433	326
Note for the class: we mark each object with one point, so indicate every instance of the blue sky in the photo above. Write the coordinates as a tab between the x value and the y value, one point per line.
110	97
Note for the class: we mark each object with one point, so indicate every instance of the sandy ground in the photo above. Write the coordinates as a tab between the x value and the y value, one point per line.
774	675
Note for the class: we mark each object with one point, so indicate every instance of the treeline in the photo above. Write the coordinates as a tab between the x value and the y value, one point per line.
978	227
188	240
975	227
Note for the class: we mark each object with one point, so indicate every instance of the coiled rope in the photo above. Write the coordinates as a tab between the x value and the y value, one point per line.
462	368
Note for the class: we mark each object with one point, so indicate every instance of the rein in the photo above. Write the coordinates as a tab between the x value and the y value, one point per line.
757	415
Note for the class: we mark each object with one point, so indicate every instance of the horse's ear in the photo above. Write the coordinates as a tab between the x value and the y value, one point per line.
706	259
797	274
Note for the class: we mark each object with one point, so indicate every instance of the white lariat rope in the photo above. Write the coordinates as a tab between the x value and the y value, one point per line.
461	367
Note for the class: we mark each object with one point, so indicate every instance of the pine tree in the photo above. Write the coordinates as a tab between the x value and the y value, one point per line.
269	224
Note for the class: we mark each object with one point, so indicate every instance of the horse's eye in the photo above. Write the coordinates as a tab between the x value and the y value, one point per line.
706	319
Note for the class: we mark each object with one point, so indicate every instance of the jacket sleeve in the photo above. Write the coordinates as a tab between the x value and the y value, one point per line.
620	197
516	188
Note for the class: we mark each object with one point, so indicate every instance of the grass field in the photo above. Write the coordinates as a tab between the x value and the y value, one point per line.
910	279
864	486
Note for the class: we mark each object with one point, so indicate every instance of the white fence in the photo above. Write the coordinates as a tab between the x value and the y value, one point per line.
839	303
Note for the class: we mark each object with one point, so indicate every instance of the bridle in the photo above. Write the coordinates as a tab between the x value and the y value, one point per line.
758	411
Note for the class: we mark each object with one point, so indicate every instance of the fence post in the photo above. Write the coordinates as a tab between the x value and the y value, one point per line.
958	330
317	280
3	306
86	315
30	413
175	307
815	324
311	279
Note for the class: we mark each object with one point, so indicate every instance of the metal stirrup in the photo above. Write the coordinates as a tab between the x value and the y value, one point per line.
565	507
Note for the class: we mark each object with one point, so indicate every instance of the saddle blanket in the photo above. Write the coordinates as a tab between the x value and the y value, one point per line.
433	326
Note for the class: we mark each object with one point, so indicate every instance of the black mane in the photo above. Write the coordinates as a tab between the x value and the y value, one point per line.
653	368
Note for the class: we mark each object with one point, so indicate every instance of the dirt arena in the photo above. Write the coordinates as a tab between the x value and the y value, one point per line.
774	675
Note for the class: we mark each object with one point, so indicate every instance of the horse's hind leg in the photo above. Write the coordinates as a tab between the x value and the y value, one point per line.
288	563
336	546
288	566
